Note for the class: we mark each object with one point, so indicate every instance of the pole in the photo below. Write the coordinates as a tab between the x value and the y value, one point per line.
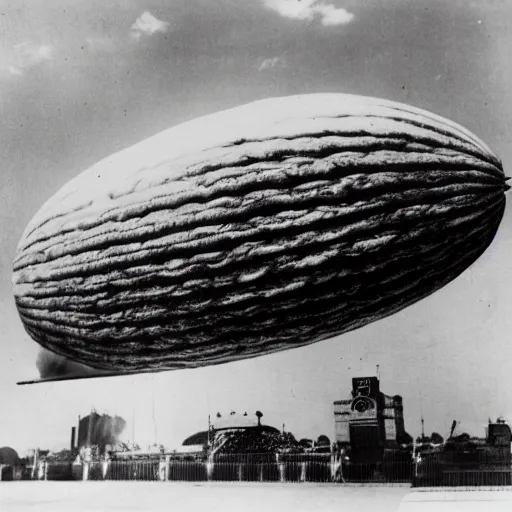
133	428
414	460
153	410
378	373
73	435
209	421
34	466
208	439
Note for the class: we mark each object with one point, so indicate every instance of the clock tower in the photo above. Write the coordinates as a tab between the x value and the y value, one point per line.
369	421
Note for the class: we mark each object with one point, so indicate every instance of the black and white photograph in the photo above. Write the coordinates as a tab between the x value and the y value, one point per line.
255	255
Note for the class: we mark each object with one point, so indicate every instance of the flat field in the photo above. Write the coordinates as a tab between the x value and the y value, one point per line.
208	497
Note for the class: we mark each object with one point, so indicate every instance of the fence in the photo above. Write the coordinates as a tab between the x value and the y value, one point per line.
475	468
433	469
228	468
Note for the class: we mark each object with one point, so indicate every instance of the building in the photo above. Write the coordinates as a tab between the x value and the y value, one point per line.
468	461
499	435
368	422
9	456
11	466
225	428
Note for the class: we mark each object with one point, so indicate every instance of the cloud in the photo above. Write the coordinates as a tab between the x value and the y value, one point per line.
28	55
308	10
147	24
272	63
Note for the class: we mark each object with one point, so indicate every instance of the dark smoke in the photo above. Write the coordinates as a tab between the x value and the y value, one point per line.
100	430
52	365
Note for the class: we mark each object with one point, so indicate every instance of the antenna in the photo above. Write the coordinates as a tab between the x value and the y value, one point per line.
209	420
153	404
452	430
421	408
133	426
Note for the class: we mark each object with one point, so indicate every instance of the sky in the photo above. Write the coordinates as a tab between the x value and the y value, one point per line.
81	80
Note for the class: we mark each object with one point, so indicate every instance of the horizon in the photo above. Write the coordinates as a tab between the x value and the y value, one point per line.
80	83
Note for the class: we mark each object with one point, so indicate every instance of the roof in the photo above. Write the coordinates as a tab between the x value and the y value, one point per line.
198	438
201	438
8	456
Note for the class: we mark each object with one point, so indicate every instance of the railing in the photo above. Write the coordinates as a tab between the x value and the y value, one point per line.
131	470
434	469
271	468
463	469
229	468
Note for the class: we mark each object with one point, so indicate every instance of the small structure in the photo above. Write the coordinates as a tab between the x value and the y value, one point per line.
10	463
469	461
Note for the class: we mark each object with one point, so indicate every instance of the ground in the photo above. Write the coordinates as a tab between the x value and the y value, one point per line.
189	496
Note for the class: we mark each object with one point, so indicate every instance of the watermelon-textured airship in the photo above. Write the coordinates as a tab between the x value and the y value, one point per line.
258	229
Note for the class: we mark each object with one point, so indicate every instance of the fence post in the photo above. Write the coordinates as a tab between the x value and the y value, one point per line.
162	465
337	468
104	469
280	464
1	470
240	472
334	468
303	472
85	471
415	461
45	470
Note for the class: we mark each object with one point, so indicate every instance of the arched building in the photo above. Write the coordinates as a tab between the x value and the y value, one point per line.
226	429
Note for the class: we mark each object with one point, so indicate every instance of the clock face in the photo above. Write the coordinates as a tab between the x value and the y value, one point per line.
363	390
362	404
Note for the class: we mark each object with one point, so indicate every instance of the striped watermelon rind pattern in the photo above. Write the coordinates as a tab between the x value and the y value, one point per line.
296	230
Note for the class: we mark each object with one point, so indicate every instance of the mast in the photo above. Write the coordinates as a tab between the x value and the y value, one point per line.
209	421
133	428
155	436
